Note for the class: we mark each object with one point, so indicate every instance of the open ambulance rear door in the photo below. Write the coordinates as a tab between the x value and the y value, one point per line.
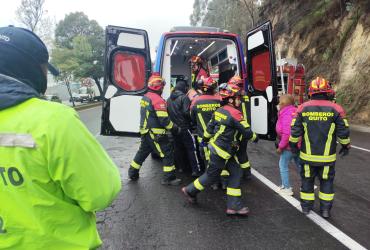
127	69
261	70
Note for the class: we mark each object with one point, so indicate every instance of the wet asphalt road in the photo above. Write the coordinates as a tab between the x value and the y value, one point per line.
148	215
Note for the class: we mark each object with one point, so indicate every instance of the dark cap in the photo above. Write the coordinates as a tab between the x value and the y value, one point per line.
26	43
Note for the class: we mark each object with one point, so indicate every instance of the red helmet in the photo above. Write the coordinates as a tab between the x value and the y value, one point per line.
237	80
319	85
207	84
196	60
156	82
227	91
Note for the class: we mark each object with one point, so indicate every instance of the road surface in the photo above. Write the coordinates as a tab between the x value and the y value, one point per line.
148	215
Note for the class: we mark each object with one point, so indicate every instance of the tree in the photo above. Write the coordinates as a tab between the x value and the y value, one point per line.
85	40
30	13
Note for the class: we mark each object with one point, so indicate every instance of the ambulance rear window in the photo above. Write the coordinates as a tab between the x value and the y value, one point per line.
129	71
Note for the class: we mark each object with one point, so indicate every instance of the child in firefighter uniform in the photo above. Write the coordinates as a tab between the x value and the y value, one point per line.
201	110
320	123
224	133
154	125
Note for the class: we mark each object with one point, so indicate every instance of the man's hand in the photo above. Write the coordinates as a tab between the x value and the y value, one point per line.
344	150
279	151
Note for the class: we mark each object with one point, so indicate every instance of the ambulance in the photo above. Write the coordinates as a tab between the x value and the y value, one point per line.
128	66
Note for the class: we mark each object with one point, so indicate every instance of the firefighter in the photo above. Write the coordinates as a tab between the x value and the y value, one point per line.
201	110
320	123
179	112
245	109
198	72
224	133
54	174
154	125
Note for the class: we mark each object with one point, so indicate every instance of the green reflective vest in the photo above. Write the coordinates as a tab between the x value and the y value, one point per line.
54	175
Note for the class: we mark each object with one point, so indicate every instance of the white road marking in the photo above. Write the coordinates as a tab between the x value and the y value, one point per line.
363	149
82	110
317	219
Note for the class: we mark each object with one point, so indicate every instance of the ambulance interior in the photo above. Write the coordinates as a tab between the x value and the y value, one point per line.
220	58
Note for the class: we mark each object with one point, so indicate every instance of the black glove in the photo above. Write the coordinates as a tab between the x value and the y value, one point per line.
175	130
344	150
294	148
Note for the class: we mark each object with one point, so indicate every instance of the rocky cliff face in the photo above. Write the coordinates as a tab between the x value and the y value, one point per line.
332	39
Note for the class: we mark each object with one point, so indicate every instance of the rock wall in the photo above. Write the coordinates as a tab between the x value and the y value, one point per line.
332	39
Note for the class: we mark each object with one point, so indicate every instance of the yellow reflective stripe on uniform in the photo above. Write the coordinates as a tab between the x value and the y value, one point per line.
306	170
317	158
306	139
344	141
225	173
158	131
325	172
234	191
293	121
245	124
202	123
308	196
17	140
222	153
345	122
329	140
293	139
220	131
197	185
254	137
162	113
244	109
168	168
157	145
135	165
326	197
146	119
245	165
236	159
206	134
170	125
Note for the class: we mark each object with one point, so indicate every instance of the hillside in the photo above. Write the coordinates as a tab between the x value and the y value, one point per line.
332	39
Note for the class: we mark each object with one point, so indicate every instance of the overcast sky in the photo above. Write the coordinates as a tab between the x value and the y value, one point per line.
154	16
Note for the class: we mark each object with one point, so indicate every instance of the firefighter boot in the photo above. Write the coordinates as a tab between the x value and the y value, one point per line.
171	181
192	199
306	210
244	211
325	213
133	173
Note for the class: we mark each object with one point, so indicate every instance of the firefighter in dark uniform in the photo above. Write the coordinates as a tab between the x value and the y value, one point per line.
320	123
245	109
224	133
179	112
154	125
201	110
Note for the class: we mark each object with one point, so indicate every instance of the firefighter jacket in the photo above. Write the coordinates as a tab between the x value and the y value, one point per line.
54	176
320	123
201	109
226	130
245	108
154	116
179	109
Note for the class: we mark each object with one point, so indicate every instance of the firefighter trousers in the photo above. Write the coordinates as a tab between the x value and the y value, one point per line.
211	176
161	145
185	142
242	157
326	194
204	153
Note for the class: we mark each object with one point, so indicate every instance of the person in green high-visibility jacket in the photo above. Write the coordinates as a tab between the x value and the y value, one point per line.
54	175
